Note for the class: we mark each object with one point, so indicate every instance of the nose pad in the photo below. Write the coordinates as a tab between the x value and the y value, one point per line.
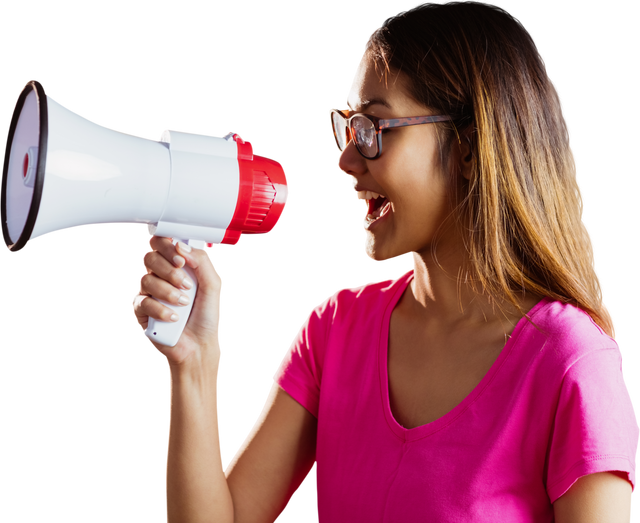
349	136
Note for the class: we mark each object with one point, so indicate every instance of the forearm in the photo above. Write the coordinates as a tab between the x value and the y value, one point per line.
197	489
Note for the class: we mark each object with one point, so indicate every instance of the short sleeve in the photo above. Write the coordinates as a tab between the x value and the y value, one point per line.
595	428
300	372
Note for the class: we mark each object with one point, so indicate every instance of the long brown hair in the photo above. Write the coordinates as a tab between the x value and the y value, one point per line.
521	209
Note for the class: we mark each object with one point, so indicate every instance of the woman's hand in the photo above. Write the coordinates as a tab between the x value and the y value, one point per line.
163	279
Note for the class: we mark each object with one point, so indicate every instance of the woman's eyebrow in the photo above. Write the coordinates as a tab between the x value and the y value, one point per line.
368	103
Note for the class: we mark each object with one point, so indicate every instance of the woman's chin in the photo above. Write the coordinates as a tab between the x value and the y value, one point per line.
379	252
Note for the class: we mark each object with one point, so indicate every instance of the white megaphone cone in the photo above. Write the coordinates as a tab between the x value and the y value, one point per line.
60	170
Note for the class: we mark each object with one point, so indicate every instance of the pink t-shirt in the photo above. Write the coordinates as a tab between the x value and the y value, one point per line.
553	407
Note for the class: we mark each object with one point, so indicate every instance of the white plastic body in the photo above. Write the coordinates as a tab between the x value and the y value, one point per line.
185	186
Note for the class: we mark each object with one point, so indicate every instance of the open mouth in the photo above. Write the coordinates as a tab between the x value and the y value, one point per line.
375	206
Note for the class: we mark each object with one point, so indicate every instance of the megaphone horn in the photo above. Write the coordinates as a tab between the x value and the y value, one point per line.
61	170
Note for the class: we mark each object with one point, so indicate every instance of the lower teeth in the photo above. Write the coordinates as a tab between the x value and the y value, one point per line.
378	213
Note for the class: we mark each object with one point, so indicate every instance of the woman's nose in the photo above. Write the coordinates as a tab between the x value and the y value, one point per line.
351	161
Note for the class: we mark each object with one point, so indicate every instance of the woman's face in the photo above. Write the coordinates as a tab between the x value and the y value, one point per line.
409	173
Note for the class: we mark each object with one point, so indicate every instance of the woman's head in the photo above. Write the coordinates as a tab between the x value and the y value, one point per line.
518	207
399	169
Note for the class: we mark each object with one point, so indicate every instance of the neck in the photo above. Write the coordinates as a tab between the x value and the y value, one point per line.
436	305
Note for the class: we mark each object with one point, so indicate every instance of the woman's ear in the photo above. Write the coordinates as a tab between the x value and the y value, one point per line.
466	155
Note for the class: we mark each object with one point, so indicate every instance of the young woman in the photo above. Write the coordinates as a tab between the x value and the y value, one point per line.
484	385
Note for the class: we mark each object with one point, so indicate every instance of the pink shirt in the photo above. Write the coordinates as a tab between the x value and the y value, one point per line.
553	407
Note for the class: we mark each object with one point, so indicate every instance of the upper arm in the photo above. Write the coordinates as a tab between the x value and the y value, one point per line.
274	459
604	497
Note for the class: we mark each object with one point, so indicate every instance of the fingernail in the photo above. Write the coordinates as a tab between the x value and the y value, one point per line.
174	317
183	300
178	261
184	247
187	283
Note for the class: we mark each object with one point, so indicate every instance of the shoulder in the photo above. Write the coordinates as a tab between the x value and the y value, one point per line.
563	318
567	353
363	299
564	332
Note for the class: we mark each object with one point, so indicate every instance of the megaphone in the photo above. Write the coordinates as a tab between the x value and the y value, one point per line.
61	170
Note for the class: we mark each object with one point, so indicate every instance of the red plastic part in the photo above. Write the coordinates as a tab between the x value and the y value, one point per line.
262	194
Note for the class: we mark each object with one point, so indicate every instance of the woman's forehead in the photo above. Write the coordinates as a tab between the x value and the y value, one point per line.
366	88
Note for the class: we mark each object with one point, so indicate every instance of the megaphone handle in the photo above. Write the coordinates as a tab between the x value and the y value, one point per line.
168	333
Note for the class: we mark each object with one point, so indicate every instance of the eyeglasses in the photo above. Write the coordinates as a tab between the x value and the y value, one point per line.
366	130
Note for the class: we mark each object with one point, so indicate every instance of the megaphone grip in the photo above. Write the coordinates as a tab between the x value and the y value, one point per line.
168	333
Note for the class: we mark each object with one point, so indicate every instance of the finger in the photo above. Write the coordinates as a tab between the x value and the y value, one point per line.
164	246
143	319
168	250
205	271
152	308
162	259
151	285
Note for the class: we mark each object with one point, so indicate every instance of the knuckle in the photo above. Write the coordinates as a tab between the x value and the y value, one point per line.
144	280
148	285
150	307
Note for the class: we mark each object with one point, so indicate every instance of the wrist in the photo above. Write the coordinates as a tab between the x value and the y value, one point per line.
200	365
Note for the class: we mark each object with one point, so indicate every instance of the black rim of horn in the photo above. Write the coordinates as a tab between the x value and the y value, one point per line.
32	84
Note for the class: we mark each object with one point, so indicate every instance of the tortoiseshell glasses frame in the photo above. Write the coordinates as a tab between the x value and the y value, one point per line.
367	129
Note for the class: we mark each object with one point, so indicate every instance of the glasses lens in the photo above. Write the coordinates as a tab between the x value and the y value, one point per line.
363	130
339	130
365	136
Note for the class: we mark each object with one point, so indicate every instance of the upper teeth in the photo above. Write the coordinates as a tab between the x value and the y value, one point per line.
368	195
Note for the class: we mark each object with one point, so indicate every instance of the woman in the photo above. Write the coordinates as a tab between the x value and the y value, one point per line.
481	386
